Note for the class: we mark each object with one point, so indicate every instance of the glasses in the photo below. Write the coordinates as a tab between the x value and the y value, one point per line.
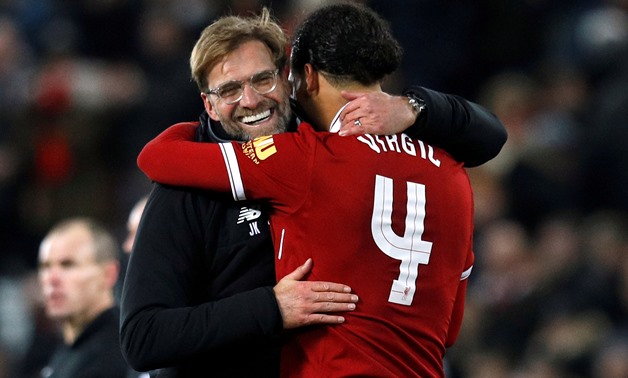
232	91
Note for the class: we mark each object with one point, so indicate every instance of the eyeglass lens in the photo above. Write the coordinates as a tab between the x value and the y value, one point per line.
262	82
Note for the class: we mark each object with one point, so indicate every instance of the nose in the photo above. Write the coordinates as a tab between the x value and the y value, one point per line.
50	275
250	98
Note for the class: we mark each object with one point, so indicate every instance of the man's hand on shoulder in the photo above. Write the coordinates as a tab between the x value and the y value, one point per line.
378	113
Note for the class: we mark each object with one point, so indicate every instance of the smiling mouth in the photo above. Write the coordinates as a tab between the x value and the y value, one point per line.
256	119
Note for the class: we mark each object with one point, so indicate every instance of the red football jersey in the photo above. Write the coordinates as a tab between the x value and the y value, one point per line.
390	216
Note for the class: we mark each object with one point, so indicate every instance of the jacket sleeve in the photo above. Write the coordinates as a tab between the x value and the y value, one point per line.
469	132
164	320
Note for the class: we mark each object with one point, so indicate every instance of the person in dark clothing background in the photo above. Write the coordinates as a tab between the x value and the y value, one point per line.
78	268
200	287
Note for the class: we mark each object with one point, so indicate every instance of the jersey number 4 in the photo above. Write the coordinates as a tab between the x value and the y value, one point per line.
409	249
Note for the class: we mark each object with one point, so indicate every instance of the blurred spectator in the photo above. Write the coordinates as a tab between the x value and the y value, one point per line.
568	340
504	286
611	359
78	267
513	97
604	249
168	96
489	197
132	223
545	178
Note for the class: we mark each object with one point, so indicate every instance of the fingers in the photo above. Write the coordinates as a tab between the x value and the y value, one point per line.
348	120
348	95
311	302
330	297
300	271
318	302
325	319
379	114
328	307
350	129
322	286
354	118
312	307
353	111
321	312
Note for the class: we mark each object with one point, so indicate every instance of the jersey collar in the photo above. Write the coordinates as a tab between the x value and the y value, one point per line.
334	127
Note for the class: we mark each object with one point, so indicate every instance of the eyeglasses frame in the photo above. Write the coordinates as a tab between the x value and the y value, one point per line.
215	91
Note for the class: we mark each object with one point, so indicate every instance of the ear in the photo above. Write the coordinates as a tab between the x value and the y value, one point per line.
311	79
112	271
209	107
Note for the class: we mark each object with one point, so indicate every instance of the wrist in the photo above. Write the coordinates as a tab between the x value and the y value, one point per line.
417	105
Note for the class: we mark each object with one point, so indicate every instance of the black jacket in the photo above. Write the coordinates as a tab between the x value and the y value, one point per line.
198	290
94	354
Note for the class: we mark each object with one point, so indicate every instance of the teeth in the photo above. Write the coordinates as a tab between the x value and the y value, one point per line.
256	117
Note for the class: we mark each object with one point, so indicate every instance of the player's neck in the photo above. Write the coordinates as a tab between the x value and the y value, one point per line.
326	99
333	101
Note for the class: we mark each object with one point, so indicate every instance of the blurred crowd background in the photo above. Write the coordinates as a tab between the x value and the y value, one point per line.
85	84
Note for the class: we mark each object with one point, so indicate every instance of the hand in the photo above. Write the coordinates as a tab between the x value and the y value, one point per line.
379	113
304	303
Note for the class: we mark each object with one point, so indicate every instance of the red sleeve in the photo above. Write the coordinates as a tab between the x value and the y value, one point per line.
458	311
273	168
173	158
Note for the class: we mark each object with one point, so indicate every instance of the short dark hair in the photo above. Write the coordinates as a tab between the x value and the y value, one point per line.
346	42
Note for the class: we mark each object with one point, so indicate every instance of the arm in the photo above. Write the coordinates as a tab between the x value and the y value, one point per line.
173	158
466	130
457	315
458	310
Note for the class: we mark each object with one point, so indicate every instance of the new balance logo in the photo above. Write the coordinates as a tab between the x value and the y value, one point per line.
247	214
250	215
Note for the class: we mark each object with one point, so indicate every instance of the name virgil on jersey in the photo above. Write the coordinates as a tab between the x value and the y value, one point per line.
264	147
399	143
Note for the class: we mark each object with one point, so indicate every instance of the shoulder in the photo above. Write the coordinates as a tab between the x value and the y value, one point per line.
97	352
306	132
188	123
104	327
289	143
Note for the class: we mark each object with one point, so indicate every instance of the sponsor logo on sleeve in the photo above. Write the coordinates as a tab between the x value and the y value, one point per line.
260	148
